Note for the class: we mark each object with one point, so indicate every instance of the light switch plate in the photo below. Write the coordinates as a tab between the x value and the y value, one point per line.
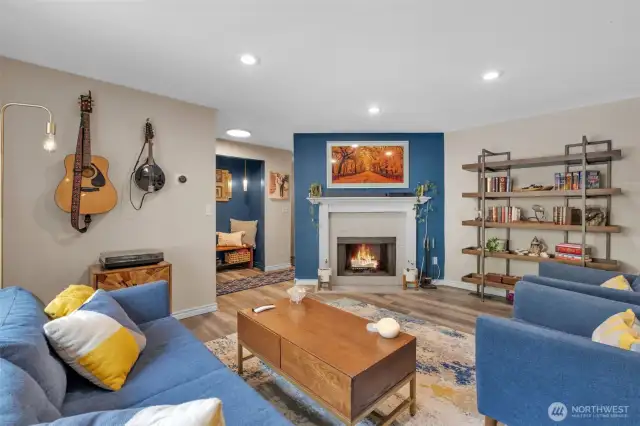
208	210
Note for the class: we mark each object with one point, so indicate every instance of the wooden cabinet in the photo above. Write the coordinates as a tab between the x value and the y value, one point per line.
114	279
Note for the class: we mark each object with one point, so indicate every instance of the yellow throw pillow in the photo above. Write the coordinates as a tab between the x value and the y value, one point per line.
70	299
233	239
618	330
98	340
617	283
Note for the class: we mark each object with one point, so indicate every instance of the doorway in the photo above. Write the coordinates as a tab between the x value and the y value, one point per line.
240	207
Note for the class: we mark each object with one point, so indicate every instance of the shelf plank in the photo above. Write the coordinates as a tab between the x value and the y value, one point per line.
607	265
598	192
469	278
544	226
554	160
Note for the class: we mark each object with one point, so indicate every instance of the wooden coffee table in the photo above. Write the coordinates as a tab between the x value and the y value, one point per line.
329	354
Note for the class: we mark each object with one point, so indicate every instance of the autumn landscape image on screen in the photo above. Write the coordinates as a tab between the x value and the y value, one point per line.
369	164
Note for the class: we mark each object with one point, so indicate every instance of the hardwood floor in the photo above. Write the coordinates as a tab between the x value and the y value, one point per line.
236	274
446	306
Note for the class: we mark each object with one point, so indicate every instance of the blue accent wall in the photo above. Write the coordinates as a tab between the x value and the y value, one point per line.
426	162
243	205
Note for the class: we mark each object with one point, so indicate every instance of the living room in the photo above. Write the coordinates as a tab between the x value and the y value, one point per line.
427	215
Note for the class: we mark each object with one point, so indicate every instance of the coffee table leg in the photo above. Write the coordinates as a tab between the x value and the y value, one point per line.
412	395
239	358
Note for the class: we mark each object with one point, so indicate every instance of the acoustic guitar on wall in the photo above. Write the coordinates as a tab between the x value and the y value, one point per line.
85	188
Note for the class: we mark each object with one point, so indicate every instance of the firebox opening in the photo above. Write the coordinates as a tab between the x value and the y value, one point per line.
367	256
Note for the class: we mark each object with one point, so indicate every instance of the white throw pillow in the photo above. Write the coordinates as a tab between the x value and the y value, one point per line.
202	412
233	239
250	228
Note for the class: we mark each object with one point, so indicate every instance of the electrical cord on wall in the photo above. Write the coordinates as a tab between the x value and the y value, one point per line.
131	180
439	271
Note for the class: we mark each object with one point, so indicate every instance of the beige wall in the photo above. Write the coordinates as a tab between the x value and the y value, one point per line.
41	251
538	136
278	217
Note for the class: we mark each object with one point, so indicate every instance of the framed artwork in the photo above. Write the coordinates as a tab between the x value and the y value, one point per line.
223	185
278	186
360	164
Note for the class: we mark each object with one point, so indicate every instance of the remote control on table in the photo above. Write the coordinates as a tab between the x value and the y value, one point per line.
263	308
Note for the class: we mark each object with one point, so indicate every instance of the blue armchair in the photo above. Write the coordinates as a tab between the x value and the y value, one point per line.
585	280
528	366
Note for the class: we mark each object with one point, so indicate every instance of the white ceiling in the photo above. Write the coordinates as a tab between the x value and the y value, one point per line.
324	62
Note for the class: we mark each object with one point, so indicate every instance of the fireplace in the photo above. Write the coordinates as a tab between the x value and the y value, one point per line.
366	256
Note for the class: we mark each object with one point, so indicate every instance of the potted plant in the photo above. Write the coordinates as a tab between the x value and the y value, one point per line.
495	244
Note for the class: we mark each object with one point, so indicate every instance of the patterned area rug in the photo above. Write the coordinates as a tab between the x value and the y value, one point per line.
445	366
254	282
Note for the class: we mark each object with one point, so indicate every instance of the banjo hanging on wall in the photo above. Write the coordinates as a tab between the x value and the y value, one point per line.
85	188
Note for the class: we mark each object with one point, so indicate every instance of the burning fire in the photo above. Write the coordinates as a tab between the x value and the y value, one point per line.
364	258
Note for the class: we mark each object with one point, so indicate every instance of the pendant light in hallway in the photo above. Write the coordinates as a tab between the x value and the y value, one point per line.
245	182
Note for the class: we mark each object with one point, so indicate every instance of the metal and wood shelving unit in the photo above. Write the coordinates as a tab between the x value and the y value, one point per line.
605	156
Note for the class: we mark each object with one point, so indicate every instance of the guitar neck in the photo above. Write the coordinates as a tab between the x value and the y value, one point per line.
86	140
150	159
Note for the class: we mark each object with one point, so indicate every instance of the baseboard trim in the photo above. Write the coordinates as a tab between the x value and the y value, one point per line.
305	281
280	267
192	312
471	287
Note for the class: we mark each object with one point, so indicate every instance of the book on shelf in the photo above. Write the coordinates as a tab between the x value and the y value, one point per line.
572	249
498	184
573	181
503	214
572	257
563	215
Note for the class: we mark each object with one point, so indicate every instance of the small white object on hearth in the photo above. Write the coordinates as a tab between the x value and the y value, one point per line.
324	274
386	327
411	274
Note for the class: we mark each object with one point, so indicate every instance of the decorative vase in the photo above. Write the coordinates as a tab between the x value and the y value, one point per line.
296	294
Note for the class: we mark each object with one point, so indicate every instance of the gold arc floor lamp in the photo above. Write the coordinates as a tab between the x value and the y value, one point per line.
49	145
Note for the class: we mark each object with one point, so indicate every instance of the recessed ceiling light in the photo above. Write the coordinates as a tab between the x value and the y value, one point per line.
374	110
248	59
491	75
238	133
355	145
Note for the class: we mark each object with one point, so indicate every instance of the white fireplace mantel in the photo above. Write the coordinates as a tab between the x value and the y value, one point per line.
403	205
385	201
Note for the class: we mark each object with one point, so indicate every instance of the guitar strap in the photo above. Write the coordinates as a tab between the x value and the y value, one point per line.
77	183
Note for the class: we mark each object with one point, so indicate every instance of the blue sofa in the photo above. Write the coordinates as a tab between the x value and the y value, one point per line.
585	280
174	368
544	355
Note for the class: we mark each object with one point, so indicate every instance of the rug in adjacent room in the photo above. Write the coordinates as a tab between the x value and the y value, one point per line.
267	278
445	367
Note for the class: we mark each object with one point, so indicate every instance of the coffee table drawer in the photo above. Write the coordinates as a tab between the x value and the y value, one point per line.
259	340
323	380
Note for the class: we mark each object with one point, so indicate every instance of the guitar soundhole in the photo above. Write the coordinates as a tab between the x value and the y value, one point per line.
88	172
